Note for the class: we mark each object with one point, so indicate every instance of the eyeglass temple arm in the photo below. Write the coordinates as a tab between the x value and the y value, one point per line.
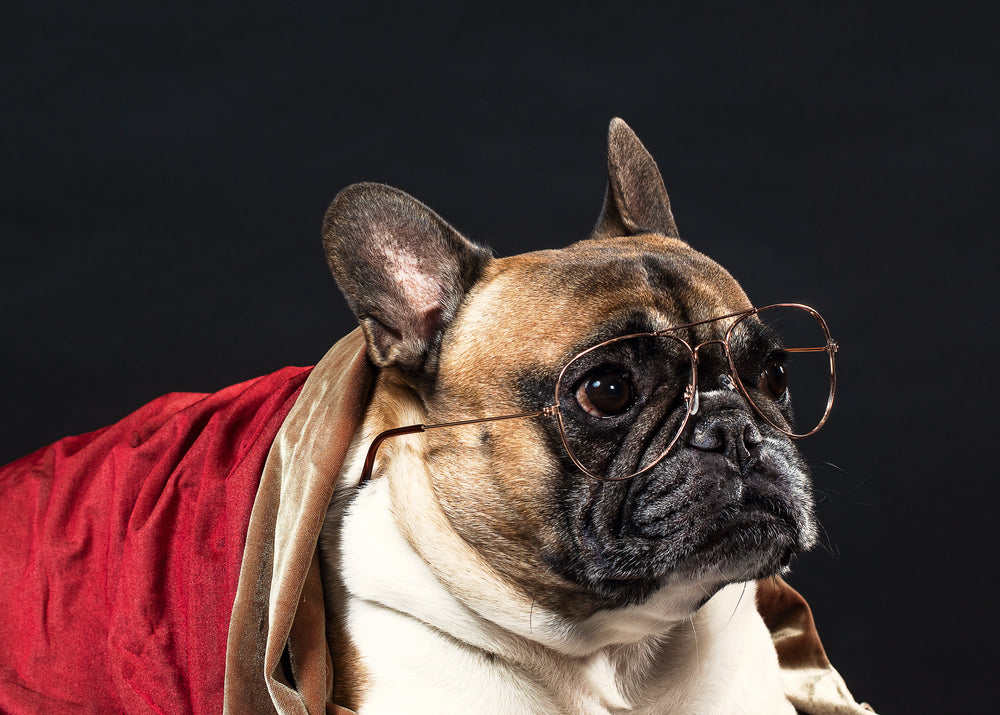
366	471
831	346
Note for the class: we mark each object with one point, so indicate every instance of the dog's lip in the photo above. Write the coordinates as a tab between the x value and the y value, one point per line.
766	526
749	535
753	518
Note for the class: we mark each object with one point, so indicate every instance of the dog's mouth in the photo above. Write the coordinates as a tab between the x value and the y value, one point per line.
754	543
695	519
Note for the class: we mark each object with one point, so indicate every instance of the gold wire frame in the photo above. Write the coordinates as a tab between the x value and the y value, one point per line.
690	392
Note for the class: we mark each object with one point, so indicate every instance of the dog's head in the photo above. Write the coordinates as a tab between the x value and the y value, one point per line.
466	336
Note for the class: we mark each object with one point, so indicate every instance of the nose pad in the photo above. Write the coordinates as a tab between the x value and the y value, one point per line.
729	432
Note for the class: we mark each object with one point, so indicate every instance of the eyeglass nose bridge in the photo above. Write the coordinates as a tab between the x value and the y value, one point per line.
691	392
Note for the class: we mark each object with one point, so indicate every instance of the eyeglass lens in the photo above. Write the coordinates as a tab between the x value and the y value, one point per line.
615	438
783	359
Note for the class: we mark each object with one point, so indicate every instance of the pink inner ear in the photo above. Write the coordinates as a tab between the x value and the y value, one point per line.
421	290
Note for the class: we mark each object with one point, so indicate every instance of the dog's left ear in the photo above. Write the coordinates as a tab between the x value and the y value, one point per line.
403	270
636	200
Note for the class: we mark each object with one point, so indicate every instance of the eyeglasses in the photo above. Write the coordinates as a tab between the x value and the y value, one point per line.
622	404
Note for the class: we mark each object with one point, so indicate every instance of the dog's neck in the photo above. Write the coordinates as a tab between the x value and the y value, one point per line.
422	611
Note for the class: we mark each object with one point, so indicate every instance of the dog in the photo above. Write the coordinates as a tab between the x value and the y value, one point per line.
577	542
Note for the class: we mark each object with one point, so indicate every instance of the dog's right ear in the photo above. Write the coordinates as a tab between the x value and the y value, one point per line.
403	270
636	200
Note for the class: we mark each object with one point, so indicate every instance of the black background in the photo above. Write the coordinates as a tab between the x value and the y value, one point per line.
166	168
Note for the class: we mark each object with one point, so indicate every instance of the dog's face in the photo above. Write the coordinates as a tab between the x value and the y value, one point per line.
473	336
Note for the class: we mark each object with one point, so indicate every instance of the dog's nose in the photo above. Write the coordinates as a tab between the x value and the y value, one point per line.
729	432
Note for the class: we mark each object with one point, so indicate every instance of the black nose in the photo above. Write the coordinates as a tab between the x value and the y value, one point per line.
729	432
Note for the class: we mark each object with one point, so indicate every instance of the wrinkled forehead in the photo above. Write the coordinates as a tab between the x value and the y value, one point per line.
538	308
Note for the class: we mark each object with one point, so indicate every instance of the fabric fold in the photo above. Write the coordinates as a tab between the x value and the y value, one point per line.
279	600
810	681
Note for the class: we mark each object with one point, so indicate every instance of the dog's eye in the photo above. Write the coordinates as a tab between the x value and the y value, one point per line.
774	380
605	394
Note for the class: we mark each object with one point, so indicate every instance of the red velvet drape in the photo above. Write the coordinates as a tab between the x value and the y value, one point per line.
120	552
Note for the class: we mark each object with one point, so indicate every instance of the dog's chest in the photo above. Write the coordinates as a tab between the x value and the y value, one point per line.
416	669
413	668
422	650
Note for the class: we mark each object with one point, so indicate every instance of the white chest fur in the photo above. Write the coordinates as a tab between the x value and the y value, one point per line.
426	651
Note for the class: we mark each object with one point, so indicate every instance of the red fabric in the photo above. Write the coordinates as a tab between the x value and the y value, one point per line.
120	553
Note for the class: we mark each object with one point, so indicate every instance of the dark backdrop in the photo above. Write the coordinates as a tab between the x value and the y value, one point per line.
166	167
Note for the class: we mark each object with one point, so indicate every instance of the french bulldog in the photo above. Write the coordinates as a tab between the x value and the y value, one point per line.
546	563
